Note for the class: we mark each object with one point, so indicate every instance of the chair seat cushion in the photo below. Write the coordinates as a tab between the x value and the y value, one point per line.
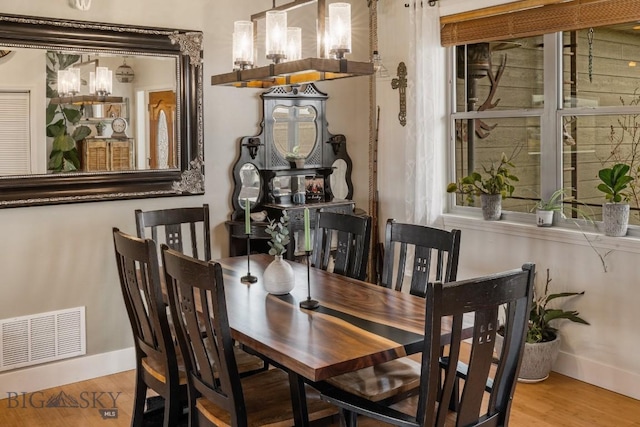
268	401
247	362
156	368
382	381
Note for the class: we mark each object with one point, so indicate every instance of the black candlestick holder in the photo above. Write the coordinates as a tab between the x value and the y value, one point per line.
309	304
248	278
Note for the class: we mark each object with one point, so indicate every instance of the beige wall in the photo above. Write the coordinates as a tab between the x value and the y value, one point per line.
56	257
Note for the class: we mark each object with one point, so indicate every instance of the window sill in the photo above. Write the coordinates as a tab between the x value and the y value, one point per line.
522	225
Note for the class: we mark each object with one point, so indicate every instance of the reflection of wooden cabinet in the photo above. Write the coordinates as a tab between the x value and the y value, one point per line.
106	154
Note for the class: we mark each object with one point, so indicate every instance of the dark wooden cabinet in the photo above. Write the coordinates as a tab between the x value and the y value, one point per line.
295	162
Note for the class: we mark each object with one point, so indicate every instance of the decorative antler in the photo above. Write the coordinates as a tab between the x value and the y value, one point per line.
482	129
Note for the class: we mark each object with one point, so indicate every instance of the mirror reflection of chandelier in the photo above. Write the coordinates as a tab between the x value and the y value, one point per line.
101	82
284	46
69	82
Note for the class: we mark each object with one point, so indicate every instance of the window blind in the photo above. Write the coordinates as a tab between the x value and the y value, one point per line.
529	18
15	141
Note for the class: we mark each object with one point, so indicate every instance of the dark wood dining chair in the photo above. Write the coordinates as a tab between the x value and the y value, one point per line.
484	297
431	248
344	239
217	394
192	221
428	246
158	365
177	223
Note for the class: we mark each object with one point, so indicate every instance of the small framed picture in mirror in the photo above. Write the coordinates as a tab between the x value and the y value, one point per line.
314	186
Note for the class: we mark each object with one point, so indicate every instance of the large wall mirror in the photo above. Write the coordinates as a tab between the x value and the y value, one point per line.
92	111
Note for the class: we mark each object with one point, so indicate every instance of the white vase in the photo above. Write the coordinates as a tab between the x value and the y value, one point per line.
615	218
544	218
278	277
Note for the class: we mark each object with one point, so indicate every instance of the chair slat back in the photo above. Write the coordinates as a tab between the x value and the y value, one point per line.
483	297
194	285
425	248
139	275
351	234
175	225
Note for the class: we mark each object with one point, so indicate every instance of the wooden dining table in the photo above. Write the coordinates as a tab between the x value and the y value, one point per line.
357	324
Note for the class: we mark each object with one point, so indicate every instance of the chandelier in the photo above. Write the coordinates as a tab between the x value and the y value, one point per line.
283	48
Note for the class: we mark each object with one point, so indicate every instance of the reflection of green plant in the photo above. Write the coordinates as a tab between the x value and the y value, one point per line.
64	153
279	232
62	121
294	153
614	180
540	315
499	181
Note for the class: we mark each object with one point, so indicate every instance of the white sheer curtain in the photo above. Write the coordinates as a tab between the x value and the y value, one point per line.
426	117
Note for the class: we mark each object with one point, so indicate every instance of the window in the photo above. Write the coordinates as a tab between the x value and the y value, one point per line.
564	105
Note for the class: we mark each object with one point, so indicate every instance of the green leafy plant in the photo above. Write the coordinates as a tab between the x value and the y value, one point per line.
279	232
555	203
294	153
64	154
541	315
62	120
614	180
498	179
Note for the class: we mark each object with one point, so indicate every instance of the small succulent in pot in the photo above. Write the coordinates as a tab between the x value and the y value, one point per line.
279	232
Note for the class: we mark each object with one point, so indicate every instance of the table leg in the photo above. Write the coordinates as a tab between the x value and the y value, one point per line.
298	400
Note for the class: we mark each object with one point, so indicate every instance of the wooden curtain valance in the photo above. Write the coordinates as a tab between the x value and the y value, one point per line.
534	17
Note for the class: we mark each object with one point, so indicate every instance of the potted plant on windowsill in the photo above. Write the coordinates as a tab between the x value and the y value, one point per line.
615	211
491	188
543	342
545	208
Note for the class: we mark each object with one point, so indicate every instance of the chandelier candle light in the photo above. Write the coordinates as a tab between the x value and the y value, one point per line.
276	35
242	45
247	231
309	303
340	25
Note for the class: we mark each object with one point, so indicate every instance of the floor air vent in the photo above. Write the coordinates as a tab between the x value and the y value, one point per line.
40	338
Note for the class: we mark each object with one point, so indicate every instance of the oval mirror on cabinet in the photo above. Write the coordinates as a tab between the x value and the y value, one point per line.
294	130
250	184
338	178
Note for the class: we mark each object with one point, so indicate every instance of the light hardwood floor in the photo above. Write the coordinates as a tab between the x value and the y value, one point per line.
558	401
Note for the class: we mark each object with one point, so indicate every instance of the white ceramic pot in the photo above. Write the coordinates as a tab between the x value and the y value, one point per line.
537	359
278	277
491	206
544	218
615	218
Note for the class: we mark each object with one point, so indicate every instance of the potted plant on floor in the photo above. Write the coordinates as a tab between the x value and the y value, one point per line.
615	212
496	185
543	342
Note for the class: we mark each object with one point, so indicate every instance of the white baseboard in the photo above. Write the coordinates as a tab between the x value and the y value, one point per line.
68	371
598	374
